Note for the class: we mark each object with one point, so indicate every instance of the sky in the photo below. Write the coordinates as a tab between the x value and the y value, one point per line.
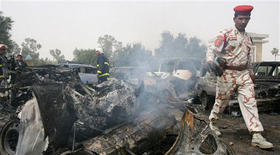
66	25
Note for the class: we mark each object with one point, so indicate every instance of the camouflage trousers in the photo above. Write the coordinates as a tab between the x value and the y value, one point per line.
241	82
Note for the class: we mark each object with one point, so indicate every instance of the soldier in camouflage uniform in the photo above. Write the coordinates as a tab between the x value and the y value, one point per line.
235	47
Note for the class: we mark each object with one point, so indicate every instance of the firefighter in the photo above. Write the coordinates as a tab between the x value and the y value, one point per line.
235	47
3	62
102	66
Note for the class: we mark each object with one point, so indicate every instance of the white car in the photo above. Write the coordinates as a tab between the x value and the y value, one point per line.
87	73
181	68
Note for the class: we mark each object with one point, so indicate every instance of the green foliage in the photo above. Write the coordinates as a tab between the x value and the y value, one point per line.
85	56
108	44
5	35
179	46
166	46
56	54
195	49
132	55
15	50
30	47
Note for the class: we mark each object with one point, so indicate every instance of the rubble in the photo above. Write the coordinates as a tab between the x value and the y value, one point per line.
18	92
195	137
60	115
138	136
112	104
32	136
95	111
58	96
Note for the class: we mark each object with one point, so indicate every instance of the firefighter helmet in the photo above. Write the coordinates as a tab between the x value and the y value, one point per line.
3	47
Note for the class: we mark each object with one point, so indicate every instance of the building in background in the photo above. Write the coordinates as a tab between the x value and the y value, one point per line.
259	40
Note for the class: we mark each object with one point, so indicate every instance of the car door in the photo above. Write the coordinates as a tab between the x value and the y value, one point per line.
88	75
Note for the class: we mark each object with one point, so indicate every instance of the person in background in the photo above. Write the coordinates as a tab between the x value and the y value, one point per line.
234	47
102	66
20	64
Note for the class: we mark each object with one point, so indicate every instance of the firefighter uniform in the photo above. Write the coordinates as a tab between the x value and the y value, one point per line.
3	62
2	65
102	68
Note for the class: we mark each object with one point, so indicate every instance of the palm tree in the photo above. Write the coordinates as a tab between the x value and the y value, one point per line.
275	52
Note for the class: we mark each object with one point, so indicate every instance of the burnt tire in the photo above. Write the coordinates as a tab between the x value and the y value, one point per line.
205	101
9	137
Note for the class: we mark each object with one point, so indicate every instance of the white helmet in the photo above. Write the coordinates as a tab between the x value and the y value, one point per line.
99	49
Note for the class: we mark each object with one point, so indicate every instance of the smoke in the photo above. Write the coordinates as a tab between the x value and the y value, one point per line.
159	82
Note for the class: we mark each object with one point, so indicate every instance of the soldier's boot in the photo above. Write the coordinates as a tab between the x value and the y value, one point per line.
213	119
259	141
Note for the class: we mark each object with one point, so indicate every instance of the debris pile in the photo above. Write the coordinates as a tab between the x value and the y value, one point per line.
60	115
195	137
84	112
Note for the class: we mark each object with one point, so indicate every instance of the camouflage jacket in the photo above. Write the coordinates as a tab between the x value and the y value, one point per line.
236	48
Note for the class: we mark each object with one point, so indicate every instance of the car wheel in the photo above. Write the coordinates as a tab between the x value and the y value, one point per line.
9	137
205	100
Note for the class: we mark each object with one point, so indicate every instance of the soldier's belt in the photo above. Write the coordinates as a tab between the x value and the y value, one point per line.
238	68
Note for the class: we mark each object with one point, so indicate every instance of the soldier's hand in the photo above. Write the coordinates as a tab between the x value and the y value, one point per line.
221	61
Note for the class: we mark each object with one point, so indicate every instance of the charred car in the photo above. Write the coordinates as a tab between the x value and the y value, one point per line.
267	87
178	75
87	73
48	110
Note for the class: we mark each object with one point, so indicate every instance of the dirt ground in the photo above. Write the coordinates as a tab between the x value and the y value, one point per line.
236	135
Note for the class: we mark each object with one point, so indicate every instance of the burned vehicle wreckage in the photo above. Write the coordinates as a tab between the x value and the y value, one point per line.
57	114
267	88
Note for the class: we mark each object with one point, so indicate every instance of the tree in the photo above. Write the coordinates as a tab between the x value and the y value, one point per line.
15	49
195	49
132	55
56	54
30	47
5	35
166	45
179	46
85	56
108	44
275	52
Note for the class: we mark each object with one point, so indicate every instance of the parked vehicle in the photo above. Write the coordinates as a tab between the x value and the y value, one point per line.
179	75
177	67
87	73
267	86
